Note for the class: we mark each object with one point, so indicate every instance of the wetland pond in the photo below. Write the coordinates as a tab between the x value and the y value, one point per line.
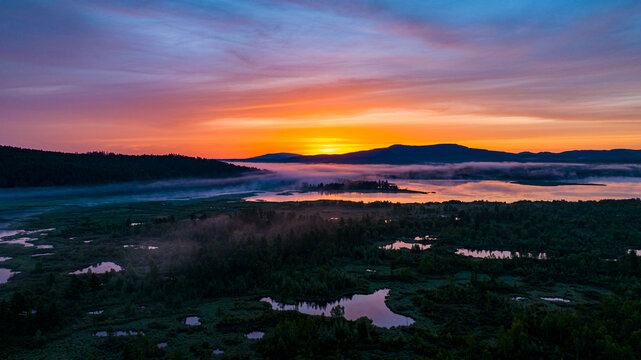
255	335
397	245
118	333
5	274
192	321
371	306
498	254
140	247
555	299
100	268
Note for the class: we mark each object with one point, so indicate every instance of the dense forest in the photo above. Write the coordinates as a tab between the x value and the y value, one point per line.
26	167
217	258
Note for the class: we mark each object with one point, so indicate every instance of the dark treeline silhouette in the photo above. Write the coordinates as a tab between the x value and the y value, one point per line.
26	168
357	186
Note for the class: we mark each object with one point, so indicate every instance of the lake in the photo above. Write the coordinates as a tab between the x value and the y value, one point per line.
465	190
285	180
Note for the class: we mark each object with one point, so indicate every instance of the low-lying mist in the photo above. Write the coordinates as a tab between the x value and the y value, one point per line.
17	202
506	171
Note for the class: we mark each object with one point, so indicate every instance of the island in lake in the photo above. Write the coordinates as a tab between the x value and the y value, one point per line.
364	186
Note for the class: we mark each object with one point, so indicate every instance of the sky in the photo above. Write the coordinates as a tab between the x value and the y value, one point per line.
231	79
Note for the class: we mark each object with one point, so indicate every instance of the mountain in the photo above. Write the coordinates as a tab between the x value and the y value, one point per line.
26	167
452	153
272	157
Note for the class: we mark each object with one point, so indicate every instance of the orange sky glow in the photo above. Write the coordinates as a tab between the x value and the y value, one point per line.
240	79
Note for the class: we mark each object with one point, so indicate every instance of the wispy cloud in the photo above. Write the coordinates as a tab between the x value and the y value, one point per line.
178	65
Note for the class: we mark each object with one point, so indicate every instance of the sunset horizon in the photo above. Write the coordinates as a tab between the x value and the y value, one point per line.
240	79
326	149
320	179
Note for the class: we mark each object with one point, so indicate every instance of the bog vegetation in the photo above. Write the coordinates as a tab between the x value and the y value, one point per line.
217	258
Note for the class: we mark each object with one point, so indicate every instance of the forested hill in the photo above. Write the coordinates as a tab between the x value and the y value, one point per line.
24	167
452	153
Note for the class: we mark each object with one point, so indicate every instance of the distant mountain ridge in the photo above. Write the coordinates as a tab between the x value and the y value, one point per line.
453	153
276	156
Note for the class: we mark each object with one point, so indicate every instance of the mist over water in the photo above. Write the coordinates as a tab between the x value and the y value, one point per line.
22	202
508	171
465	182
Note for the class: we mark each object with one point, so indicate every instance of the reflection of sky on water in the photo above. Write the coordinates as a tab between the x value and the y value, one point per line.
397	245
255	335
490	190
101	268
498	254
23	202
5	274
371	306
192	320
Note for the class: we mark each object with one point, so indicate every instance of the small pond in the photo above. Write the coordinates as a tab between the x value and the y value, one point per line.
9	233
498	254
5	236
42	254
101	268
218	352
371	306
192	321
397	245
142	247
5	274
118	333
4	258
426	237
255	335
24	241
556	299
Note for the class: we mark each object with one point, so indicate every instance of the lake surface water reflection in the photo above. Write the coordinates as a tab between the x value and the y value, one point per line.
371	306
462	190
439	190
